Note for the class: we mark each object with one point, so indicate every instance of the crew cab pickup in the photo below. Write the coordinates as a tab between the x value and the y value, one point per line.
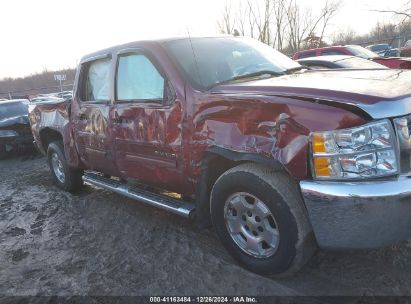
280	160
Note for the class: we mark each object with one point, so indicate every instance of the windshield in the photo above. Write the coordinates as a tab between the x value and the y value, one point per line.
379	47
210	61
12	109
359	63
362	52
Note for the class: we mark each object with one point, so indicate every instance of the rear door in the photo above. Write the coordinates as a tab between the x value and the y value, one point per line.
147	121
91	121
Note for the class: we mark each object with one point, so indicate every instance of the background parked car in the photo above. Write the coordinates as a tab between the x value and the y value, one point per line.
384	50
15	132
66	95
393	52
406	50
356	50
45	99
340	62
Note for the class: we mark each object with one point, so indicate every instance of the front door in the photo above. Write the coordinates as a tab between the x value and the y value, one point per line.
146	121
91	121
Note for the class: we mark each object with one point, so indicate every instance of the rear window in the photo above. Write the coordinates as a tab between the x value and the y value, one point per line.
15	109
359	63
379	47
332	53
359	51
307	54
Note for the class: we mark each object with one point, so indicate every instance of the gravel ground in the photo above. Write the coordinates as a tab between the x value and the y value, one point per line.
99	243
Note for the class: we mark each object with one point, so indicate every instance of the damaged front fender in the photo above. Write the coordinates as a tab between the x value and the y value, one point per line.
232	129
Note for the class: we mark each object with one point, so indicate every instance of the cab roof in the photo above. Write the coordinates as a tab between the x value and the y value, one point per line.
135	44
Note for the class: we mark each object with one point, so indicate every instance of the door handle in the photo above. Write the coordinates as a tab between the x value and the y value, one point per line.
117	119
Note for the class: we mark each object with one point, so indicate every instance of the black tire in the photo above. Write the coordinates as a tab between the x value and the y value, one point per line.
72	177
279	193
3	151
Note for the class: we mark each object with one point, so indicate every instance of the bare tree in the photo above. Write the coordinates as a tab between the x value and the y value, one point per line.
304	28
241	19
346	36
329	10
393	33
283	24
301	25
227	24
279	19
261	18
404	12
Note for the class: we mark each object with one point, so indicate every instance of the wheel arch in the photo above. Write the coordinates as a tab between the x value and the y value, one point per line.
48	135
215	162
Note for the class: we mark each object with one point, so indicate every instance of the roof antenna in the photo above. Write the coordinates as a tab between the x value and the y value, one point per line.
195	57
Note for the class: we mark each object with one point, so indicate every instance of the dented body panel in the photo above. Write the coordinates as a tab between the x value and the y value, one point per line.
186	141
276	128
51	121
165	144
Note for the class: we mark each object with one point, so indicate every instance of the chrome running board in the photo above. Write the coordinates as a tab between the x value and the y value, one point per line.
164	202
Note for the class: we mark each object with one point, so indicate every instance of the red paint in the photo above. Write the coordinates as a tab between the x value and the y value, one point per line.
164	145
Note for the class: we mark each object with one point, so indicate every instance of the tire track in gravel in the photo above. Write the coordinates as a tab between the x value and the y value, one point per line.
99	243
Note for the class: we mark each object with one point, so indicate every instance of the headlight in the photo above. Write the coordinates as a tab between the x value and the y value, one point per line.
363	152
8	133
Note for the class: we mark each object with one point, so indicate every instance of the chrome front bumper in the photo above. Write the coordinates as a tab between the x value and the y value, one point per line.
359	214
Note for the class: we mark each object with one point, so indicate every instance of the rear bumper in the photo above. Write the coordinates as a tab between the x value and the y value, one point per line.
361	214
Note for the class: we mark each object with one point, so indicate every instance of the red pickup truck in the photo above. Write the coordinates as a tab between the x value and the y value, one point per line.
229	132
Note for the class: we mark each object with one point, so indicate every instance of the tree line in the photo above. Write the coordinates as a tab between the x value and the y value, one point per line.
40	83
289	27
283	24
393	33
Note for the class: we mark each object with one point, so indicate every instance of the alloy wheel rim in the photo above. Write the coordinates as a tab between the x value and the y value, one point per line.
251	225
58	167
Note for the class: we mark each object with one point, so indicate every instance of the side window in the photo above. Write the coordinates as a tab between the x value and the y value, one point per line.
96	81
138	80
318	67
325	53
307	54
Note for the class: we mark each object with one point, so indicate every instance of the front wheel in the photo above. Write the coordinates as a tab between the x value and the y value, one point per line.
259	216
65	177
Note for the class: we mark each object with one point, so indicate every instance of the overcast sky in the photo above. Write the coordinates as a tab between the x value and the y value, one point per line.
53	34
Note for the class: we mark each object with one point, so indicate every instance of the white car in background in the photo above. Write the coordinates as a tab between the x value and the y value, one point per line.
45	99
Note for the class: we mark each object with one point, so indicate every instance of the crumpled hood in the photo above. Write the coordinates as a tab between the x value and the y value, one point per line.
17	120
380	93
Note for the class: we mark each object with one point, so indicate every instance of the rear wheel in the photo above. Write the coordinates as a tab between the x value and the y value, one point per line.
65	177
260	218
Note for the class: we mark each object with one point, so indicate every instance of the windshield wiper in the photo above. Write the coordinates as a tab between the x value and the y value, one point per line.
246	76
